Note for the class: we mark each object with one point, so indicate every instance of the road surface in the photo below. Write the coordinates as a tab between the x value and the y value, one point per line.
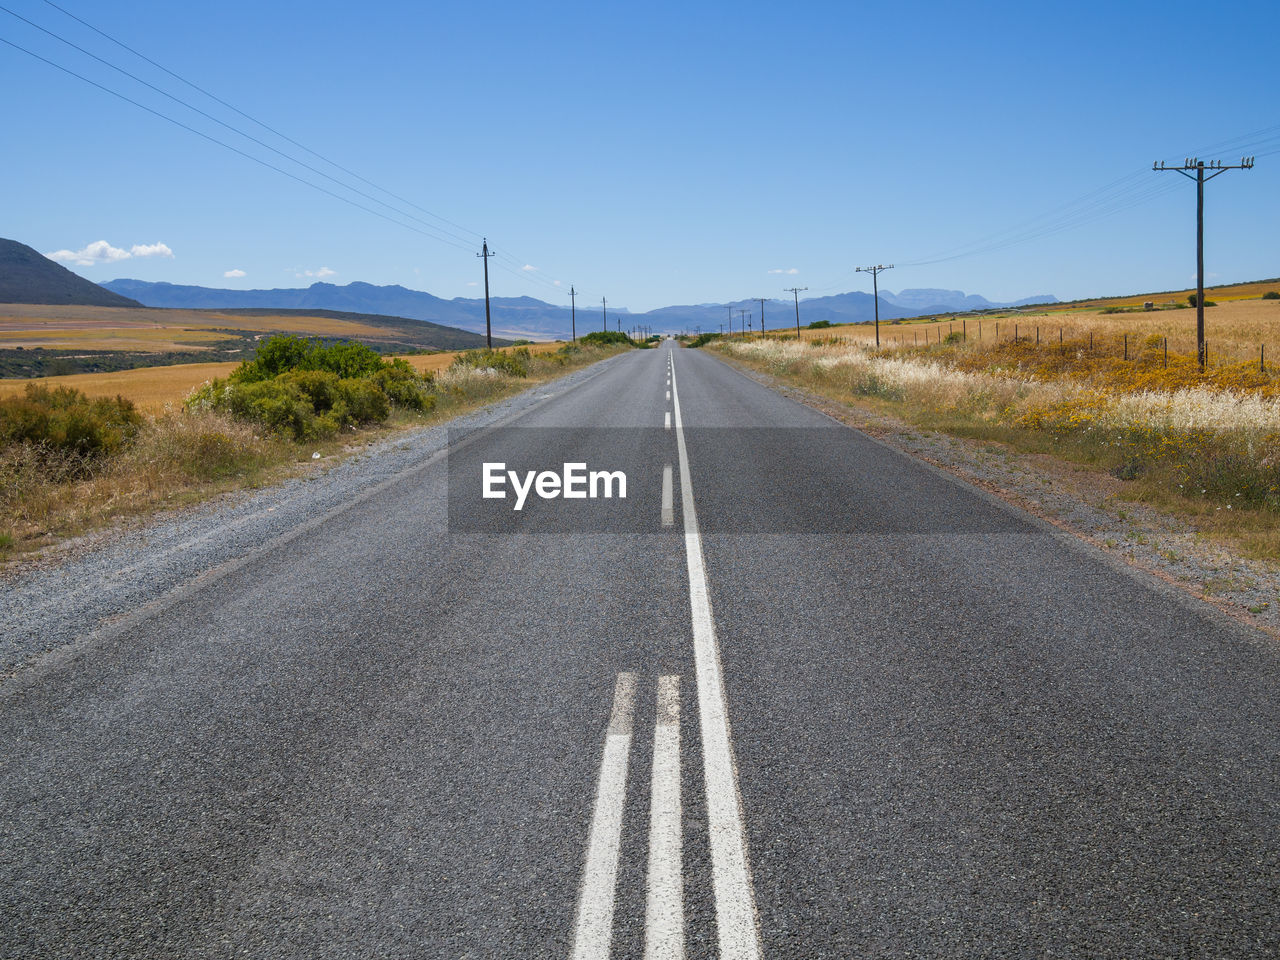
796	695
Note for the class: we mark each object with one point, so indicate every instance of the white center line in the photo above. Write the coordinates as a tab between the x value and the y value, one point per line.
668	512
664	913
666	424
668	394
736	921
599	877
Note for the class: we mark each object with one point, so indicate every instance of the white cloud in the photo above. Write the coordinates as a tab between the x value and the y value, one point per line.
556	282
102	252
151	250
234	274
473	283
318	274
791	272
529	267
97	252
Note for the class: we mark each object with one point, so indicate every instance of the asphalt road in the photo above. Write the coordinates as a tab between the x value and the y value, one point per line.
832	704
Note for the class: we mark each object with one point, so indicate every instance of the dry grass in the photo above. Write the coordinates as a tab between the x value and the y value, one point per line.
156	389
1209	443
152	389
54	321
1234	330
184	456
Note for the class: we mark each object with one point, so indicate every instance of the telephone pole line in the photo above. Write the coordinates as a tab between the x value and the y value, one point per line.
488	326
875	272
796	292
604	313
761	299
573	312
1199	166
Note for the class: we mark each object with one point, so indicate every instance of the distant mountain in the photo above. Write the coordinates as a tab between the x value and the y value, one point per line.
28	277
512	316
534	319
952	301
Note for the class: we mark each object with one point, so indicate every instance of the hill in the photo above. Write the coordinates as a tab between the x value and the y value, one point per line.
28	277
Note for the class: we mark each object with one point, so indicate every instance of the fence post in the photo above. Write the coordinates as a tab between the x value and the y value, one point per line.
1262	358
1166	353
1126	346
964	330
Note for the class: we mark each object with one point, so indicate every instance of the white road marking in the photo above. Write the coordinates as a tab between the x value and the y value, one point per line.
599	877
666	423
736	921
668	394
668	512
664	912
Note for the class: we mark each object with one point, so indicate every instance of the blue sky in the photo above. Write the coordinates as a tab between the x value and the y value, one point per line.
653	153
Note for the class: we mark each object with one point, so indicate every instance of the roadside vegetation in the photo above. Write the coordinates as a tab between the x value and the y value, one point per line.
1204	445
70	463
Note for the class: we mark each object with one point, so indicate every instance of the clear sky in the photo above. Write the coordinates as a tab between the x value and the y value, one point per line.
653	153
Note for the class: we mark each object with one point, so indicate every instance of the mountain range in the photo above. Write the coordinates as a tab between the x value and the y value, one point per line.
535	319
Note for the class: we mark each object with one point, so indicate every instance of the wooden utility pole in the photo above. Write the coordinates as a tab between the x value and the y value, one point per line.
796	292
573	312
488	326
604	314
1199	166
875	292
761	299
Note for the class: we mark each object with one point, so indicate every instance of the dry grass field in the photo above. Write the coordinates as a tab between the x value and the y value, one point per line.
156	389
1234	329
128	328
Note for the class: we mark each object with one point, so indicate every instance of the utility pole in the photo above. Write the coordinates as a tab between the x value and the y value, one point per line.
761	299
1199	166
730	306
875	272
742	322
796	292
488	326
573	312
604	312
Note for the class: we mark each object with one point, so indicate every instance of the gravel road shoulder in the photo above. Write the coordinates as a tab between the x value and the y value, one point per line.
1082	502
92	581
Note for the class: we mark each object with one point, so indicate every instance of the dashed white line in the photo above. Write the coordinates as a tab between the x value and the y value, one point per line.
668	394
664	911
599	877
668	510
736	921
666	423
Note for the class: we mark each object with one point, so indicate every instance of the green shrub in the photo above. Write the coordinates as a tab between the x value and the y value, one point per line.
64	419
819	325
405	388
282	354
1271	295
702	339
955	336
606	337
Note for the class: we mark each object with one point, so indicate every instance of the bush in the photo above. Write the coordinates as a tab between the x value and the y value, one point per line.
1271	295
605	337
819	325
64	419
955	336
702	339
282	354
402	385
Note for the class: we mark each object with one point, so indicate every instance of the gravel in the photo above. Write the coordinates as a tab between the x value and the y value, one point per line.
92	581
1085	504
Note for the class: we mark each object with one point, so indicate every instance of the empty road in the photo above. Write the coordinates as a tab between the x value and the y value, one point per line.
794	695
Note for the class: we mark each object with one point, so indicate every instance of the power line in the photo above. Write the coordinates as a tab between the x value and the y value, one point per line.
432	230
236	150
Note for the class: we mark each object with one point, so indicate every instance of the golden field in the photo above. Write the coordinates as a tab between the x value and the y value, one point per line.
155	389
68	327
1234	329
